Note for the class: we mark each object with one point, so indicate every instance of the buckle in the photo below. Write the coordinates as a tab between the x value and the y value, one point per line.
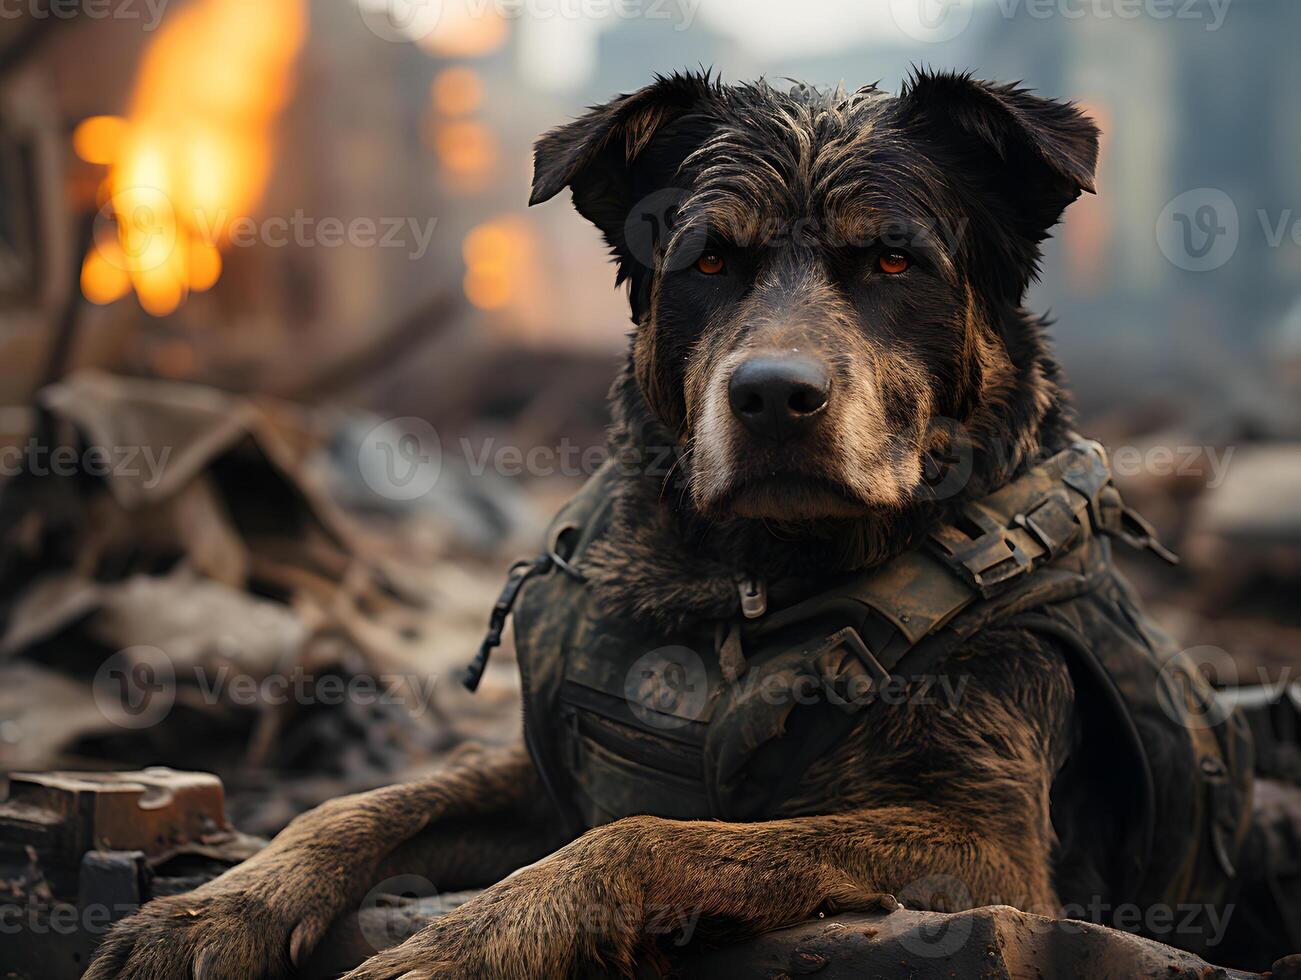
988	561
844	688
1085	469
1053	524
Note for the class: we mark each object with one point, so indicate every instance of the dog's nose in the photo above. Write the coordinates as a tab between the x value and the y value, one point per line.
778	398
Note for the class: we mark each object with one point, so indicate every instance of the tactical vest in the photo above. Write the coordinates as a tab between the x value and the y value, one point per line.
719	722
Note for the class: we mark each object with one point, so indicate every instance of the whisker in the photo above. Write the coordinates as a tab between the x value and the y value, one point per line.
686	451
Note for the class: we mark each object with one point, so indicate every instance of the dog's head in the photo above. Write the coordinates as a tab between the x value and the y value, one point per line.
822	283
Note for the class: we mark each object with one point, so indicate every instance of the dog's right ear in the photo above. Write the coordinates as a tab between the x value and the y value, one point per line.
594	155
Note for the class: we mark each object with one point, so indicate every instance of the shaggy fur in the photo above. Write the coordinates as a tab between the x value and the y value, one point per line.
799	194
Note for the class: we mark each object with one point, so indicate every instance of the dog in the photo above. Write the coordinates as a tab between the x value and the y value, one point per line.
826	290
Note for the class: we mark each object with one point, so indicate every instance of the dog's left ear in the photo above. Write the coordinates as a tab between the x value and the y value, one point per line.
1033	155
601	158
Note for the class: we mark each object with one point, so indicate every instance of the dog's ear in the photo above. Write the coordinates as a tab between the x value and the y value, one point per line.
1033	155
601	156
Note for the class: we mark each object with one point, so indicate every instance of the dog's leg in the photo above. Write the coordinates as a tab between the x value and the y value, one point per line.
944	806
619	889
265	915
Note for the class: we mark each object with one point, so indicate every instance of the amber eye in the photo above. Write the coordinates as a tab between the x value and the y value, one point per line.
893	263
710	264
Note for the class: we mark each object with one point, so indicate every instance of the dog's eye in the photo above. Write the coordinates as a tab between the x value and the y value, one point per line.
893	263
710	264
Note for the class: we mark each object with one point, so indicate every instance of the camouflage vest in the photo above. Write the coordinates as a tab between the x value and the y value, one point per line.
720	722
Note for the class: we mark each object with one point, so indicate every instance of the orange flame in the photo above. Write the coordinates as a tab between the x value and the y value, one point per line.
194	152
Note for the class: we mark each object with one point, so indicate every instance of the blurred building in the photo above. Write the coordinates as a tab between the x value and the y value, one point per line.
430	125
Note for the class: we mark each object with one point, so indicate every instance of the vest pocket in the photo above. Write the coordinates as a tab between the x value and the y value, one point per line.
620	768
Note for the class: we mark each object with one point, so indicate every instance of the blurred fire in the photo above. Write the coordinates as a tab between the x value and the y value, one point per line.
194	152
457	91
498	256
467	148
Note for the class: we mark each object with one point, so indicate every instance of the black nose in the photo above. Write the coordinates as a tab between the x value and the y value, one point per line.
778	398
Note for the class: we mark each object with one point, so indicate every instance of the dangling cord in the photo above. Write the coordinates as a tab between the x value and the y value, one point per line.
519	573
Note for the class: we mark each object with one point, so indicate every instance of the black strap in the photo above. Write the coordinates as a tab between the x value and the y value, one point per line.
569	533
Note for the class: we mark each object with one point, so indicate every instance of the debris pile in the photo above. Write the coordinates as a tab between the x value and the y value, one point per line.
177	587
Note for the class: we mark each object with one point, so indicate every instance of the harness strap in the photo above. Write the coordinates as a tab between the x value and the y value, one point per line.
1032	520
1053	510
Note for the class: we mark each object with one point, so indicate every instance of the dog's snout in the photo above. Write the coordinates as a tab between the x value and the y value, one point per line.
779	397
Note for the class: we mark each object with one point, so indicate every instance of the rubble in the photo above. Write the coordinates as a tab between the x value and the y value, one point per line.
213	573
78	851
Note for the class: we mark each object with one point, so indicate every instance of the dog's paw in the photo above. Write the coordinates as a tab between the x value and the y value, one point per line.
844	894
483	938
224	935
419	958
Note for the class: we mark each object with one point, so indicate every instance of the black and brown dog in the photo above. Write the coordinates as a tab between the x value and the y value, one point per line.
836	280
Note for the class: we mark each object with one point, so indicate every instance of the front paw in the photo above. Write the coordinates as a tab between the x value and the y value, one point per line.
523	928
432	952
226	934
